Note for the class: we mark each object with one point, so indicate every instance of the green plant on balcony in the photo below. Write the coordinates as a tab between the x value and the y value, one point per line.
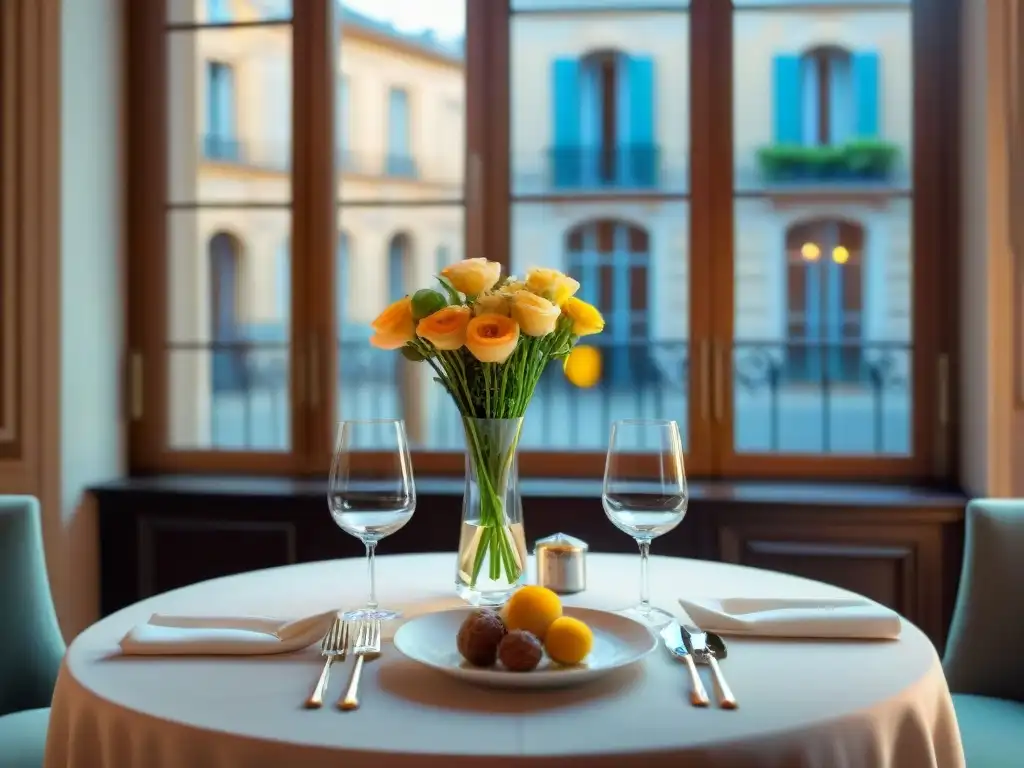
860	160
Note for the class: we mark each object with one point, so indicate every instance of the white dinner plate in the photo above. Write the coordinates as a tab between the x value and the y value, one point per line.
618	642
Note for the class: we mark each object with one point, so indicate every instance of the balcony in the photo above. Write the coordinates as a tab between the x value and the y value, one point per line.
626	167
857	164
851	398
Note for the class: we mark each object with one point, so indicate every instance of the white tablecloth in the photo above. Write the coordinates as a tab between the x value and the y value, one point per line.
837	704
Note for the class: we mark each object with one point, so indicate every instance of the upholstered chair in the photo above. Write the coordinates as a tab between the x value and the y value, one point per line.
31	646
984	659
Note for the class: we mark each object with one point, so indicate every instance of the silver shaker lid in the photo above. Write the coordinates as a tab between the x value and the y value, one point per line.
562	543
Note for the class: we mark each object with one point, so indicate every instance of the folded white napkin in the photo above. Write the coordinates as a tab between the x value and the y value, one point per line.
853	618
223	636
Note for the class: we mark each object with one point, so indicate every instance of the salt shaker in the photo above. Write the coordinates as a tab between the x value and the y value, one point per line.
561	563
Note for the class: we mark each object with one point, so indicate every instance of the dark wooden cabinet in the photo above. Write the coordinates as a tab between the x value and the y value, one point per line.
899	546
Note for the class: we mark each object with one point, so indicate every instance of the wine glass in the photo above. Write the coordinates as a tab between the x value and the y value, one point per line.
371	492
645	504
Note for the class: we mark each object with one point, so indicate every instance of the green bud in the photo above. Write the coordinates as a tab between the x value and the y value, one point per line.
412	354
426	302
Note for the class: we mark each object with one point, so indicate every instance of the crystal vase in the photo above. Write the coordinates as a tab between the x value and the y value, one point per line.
492	544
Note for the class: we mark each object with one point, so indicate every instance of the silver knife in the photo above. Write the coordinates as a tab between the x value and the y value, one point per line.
673	636
696	642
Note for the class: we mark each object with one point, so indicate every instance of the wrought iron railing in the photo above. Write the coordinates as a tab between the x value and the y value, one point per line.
623	166
800	397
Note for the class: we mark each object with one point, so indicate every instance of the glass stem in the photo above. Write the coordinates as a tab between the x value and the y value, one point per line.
645	586
371	547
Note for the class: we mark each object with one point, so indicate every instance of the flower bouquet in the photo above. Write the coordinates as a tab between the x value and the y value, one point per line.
488	340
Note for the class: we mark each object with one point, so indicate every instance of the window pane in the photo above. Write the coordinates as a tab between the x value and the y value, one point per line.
228	329
631	260
600	103
600	106
823	259
227	11
404	101
383	254
230	114
404	118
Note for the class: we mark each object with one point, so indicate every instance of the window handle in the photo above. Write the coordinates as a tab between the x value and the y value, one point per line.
706	377
721	374
314	370
135	390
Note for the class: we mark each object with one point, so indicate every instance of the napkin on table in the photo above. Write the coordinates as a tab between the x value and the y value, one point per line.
851	618
224	636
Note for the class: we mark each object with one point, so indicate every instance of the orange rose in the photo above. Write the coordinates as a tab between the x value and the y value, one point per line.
446	328
492	338
394	327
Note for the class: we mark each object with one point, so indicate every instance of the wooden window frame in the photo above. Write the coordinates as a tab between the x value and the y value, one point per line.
487	202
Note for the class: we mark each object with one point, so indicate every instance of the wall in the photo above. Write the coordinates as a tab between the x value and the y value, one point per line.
92	308
991	442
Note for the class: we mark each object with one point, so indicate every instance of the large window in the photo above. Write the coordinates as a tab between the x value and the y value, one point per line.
748	191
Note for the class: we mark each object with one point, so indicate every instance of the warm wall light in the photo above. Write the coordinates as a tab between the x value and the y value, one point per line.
810	251
840	255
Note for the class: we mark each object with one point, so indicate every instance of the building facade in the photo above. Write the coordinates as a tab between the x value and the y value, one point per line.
600	107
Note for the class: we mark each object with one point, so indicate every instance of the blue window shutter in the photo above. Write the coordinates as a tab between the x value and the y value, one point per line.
865	90
788	102
566	153
642	150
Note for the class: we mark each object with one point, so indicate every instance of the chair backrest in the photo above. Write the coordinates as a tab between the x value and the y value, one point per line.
984	652
31	645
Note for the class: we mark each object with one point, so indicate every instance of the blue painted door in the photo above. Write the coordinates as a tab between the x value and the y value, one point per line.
610	260
566	152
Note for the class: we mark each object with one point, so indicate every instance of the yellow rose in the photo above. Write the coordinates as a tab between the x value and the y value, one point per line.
492	338
473	276
446	328
394	327
491	304
536	315
552	285
586	320
512	286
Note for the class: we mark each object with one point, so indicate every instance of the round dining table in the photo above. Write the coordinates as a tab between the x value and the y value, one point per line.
802	703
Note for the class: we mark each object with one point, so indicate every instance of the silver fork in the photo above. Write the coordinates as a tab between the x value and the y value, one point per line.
367	648
332	648
705	654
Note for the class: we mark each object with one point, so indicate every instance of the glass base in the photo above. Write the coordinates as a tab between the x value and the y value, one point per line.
371	614
494	598
655	618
